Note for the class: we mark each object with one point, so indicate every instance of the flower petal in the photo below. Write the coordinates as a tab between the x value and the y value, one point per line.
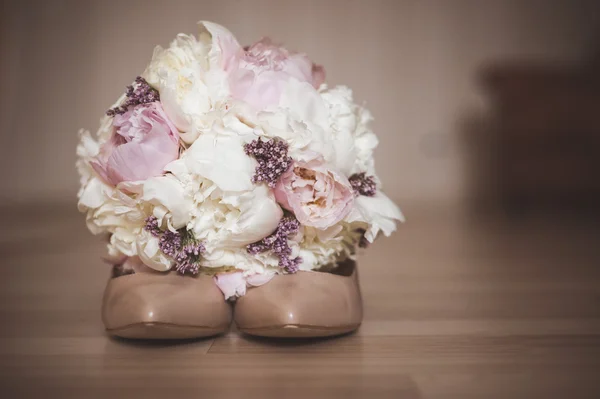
379	212
168	192
222	160
231	284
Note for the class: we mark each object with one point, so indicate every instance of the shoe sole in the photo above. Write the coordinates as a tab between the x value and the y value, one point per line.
298	331
164	331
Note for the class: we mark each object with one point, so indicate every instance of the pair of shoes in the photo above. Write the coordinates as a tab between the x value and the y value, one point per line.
171	306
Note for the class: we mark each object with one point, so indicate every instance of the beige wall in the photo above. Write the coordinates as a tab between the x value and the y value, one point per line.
413	62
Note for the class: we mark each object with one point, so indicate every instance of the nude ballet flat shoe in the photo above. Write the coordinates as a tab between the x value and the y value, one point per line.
304	304
164	306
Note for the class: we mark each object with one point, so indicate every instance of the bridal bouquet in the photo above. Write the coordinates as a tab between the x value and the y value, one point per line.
233	161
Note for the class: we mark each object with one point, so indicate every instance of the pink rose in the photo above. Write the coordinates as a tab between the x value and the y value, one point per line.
257	74
143	142
318	196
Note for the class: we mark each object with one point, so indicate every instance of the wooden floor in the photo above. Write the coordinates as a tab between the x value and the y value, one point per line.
456	307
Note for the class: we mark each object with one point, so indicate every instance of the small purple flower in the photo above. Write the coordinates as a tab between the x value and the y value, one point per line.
272	157
152	226
291	265
170	243
138	93
363	184
181	245
278	244
187	259
288	226
195	248
187	266
258	247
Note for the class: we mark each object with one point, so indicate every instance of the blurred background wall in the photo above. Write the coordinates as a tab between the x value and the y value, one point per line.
420	66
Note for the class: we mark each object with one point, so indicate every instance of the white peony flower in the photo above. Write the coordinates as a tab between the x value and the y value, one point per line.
190	79
365	142
109	210
149	252
351	136
168	195
304	102
326	122
88	148
379	213
209	191
220	157
319	248
240	259
304	139
230	210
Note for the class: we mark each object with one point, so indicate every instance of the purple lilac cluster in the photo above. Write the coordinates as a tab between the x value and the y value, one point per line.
152	227
363	184
278	244
187	259
138	93
179	245
170	243
272	157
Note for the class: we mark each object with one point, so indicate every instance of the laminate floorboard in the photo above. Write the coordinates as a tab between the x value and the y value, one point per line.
455	307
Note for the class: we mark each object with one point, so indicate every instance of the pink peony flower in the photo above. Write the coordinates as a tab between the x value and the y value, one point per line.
143	142
318	196
258	73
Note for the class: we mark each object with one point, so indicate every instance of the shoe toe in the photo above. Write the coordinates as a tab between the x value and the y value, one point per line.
146	305
305	304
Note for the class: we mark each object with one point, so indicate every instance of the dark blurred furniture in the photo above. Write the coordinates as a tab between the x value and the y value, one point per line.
547	122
